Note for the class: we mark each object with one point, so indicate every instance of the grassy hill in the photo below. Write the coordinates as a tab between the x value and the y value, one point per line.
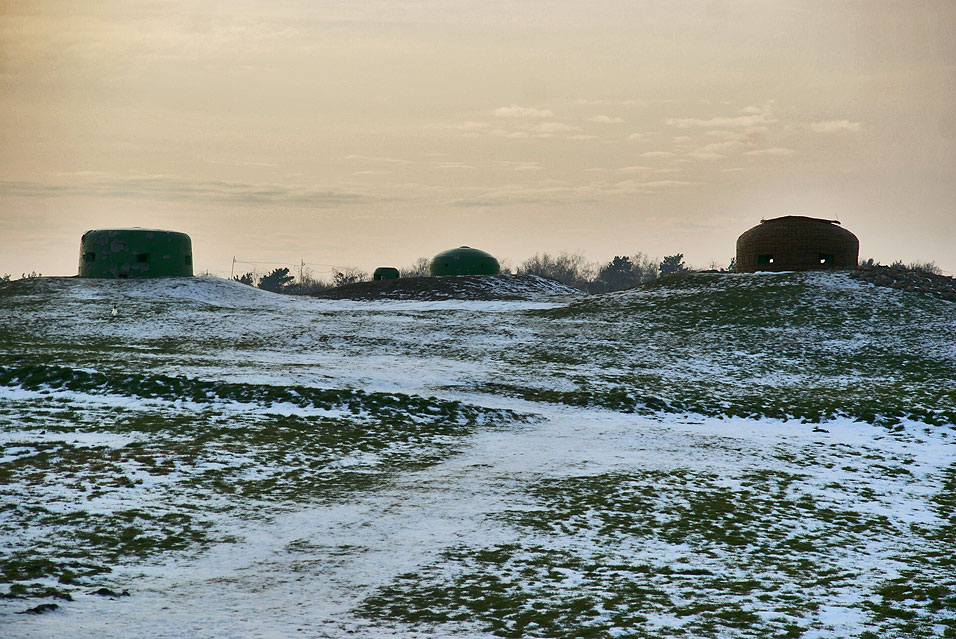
706	456
810	346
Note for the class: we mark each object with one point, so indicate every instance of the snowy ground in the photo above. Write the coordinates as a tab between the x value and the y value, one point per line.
719	456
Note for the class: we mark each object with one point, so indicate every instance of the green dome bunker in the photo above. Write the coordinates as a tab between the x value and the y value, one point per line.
385	273
463	260
135	253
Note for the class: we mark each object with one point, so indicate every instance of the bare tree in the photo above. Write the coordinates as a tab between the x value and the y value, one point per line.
567	268
645	268
926	267
418	269
349	275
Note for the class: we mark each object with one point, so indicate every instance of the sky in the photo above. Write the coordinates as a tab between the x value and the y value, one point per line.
365	134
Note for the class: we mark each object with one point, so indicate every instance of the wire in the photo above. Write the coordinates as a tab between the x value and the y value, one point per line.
287	263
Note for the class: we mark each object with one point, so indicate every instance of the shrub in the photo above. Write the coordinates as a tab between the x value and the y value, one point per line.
672	265
276	281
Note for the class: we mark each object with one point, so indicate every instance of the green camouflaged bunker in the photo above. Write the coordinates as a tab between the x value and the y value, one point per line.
385	273
463	261
135	253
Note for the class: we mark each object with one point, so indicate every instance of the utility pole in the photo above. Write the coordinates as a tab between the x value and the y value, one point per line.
232	272
301	266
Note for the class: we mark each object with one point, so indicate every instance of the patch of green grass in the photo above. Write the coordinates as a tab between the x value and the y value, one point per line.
198	469
575	572
765	545
781	346
176	388
924	594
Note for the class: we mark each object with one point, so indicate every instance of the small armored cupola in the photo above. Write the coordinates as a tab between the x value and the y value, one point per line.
796	243
385	273
464	260
135	253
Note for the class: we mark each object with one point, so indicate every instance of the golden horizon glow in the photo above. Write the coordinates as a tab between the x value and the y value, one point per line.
374	133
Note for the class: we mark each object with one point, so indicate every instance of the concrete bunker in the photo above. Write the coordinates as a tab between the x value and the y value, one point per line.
796	243
135	253
463	260
385	273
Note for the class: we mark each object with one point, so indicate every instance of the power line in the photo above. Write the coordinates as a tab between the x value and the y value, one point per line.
237	261
301	264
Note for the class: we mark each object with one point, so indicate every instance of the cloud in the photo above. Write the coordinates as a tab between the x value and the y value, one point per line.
635	136
515	111
659	183
455	165
473	129
646	170
643	187
237	162
610	102
749	116
520	166
522	129
726	135
172	188
699	154
834	126
715	150
737	121
772	151
385	160
658	154
561	194
533	194
549	128
606	119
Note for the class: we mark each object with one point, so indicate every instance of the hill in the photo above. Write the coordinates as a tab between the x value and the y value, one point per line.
464	287
708	455
809	346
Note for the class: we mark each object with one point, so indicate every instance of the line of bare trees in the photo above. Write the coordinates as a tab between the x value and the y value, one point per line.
280	280
621	272
926	267
6	277
624	271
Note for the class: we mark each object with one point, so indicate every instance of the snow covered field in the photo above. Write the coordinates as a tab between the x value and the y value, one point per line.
710	456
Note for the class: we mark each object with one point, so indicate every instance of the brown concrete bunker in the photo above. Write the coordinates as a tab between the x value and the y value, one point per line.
796	243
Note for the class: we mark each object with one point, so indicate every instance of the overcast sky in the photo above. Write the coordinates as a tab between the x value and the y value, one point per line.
372	133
